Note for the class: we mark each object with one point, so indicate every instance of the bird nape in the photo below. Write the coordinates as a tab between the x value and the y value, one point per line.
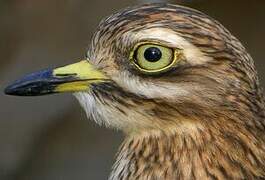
182	88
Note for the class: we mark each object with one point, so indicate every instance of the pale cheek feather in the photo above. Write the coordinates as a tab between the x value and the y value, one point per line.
192	54
101	114
109	115
149	89
89	105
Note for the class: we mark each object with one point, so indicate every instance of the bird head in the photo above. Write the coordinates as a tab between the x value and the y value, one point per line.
156	67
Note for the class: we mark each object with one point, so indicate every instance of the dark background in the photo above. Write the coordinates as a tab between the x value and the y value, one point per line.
49	138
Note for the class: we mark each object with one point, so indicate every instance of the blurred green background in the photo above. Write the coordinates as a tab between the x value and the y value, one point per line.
49	138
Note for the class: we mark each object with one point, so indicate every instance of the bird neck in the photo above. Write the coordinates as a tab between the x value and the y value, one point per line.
194	155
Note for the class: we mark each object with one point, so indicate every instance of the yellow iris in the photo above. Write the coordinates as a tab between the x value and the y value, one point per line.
152	58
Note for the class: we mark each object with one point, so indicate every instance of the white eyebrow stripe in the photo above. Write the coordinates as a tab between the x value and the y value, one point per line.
193	54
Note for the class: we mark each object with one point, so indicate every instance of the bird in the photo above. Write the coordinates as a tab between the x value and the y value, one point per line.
183	90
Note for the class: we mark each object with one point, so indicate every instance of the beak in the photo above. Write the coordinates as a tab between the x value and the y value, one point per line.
71	78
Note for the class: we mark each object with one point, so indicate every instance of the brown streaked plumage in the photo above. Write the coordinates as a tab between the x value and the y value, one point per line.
202	118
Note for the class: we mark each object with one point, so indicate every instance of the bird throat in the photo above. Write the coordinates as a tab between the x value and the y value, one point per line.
200	155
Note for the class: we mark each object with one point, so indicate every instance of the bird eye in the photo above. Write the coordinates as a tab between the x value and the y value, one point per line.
153	58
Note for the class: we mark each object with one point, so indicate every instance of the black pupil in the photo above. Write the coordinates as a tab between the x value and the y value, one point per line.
152	54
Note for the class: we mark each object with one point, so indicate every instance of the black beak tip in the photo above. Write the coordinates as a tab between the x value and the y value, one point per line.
31	85
10	90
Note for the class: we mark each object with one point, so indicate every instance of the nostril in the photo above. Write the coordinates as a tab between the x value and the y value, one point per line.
66	75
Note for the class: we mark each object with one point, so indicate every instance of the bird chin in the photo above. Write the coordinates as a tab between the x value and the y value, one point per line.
88	103
104	114
96	110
